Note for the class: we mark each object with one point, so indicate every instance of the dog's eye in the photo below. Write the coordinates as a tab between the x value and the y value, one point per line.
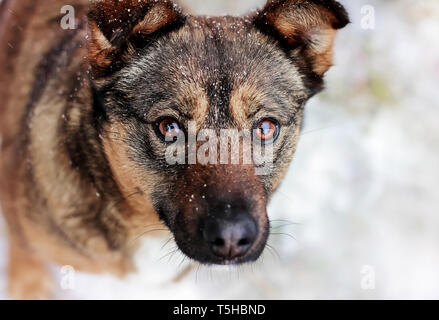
267	130
169	128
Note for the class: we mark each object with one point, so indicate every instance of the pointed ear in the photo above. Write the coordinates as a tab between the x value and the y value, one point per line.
307	27
119	27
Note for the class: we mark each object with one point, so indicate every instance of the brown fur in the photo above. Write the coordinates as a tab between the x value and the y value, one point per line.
82	171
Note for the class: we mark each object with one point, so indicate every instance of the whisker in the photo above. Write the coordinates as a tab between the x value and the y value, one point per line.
167	242
289	197
273	251
182	261
284	220
173	254
153	225
283	234
283	225
145	233
321	129
174	250
125	198
196	273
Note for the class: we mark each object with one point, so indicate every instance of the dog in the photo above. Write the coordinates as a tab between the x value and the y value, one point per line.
88	114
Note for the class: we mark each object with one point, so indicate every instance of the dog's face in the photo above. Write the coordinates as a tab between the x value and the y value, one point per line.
163	76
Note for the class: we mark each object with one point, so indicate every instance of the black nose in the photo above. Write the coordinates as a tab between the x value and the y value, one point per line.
230	238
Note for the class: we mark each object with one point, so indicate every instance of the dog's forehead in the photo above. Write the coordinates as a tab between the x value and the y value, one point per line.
216	70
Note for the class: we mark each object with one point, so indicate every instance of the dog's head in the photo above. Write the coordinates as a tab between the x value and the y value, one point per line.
171	86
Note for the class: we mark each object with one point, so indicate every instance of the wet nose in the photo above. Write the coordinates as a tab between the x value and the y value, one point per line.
230	238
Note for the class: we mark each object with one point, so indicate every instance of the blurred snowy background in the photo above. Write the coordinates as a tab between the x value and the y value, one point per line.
363	190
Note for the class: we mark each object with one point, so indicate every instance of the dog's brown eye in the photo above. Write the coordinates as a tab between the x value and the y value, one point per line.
169	128
267	130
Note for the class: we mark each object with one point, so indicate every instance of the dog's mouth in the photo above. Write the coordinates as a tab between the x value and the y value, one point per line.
225	235
204	253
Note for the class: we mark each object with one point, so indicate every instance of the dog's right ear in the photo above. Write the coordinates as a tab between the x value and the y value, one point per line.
119	27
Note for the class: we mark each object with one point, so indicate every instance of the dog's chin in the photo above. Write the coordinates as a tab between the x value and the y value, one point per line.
209	259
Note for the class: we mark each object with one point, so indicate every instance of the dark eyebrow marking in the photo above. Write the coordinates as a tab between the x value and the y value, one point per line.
182	114
280	109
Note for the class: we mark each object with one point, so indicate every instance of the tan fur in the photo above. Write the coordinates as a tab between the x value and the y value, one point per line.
196	101
21	25
128	178
157	17
244	101
100	49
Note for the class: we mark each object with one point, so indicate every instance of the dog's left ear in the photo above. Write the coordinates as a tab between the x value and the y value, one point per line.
119	27
307	27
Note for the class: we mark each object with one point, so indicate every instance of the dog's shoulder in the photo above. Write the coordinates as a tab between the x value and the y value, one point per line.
48	134
28	31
